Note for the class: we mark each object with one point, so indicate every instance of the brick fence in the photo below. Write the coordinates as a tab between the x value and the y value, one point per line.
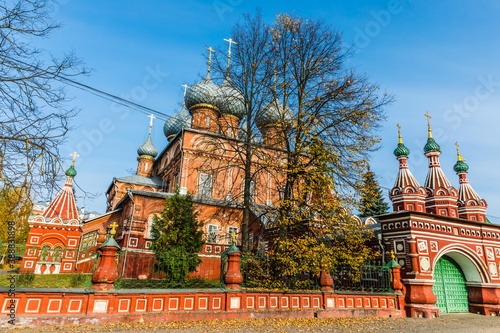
53	306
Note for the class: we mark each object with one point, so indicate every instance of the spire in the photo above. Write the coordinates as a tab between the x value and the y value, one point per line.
441	196
63	205
407	194
470	204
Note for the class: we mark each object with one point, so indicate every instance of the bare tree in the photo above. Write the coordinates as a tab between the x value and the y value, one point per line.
301	98
34	116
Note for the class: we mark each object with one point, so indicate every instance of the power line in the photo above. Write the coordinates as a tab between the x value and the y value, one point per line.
97	92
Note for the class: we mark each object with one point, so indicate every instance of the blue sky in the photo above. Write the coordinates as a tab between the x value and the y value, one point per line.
441	57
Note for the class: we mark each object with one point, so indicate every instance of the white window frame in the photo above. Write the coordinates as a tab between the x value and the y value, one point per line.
205	184
212	233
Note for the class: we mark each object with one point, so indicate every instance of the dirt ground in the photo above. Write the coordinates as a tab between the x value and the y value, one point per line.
447	323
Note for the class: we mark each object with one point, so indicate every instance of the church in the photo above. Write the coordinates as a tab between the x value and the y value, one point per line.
449	253
202	158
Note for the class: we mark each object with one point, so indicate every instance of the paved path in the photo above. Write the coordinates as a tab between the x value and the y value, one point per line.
447	323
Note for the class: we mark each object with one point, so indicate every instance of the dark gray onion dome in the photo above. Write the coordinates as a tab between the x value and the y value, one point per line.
231	101
147	148
204	92
272	114
176	123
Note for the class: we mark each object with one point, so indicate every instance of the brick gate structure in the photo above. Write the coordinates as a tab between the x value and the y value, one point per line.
448	250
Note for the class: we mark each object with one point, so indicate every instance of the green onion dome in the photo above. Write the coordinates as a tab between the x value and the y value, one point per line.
147	148
401	150
460	166
431	146
71	172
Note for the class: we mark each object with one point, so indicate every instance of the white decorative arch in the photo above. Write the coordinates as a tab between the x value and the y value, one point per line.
471	264
56	220
357	219
370	221
73	222
39	219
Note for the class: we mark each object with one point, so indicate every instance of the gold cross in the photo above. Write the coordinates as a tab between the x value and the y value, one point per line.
400	138
113	229
185	88
428	124
459	157
74	155
392	255
233	235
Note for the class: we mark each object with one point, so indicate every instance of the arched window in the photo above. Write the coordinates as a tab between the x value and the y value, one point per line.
44	253
57	254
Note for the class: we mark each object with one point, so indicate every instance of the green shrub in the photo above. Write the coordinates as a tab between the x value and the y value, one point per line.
25	279
80	280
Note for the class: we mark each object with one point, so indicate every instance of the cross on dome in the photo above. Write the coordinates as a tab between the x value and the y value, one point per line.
151	117
230	41
185	88
459	157
113	229
428	124
210	51
74	155
400	138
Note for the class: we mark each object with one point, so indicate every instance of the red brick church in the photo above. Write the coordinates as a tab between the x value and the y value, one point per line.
201	159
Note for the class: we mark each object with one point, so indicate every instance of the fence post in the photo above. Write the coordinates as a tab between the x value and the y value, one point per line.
233	276
106	273
396	284
325	281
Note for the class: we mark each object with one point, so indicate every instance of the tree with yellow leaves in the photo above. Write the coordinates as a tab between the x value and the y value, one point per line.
16	207
296	86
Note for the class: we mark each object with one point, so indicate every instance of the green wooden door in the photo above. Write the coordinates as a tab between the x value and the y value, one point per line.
449	288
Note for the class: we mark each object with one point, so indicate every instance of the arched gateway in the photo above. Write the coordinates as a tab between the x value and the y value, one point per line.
450	286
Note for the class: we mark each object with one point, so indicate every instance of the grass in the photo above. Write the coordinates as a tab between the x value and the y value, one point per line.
76	280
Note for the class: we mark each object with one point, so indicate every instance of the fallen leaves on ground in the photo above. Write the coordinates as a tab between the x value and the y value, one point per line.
266	325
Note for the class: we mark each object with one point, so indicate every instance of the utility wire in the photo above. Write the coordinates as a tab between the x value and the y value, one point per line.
98	92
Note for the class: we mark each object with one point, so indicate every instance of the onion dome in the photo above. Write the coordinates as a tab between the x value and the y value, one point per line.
71	172
460	166
231	100
147	148
204	92
431	146
272	114
175	124
401	150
